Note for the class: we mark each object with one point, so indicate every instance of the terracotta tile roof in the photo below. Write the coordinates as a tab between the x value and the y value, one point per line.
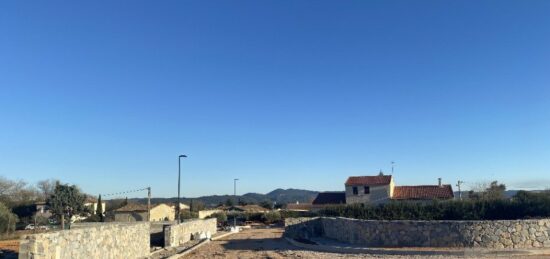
423	192
330	198
369	180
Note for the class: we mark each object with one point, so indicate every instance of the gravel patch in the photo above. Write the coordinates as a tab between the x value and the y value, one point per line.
268	243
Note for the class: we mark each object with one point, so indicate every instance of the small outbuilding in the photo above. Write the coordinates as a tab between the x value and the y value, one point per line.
138	212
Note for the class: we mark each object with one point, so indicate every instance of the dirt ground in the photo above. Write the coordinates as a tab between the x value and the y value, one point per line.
9	248
9	245
267	243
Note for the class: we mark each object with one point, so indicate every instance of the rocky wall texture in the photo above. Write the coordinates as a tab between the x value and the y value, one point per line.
177	234
498	234
303	228
89	241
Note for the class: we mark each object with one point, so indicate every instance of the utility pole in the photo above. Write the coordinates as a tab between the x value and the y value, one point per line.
148	203
178	217
392	163
459	192
235	195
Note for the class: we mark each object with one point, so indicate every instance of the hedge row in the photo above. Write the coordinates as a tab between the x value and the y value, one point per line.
523	206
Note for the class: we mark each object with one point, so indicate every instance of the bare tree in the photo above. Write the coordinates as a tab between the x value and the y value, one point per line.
14	193
46	187
8	187
488	191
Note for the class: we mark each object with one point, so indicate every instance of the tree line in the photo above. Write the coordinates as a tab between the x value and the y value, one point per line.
18	202
524	205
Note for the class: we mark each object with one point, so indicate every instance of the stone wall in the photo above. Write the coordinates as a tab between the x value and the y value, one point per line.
79	225
109	240
409	233
175	235
303	228
157	232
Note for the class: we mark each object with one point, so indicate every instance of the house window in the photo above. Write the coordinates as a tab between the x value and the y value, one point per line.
355	192
367	190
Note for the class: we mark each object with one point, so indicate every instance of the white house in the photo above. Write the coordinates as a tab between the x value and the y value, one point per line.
381	189
92	204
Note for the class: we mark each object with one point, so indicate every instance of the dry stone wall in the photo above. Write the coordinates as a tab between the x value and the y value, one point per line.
303	228
89	241
177	234
79	225
496	234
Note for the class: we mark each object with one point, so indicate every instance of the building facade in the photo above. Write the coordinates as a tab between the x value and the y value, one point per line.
92	205
138	212
381	189
369	189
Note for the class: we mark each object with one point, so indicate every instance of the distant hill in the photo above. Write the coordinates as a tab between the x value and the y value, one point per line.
280	196
283	196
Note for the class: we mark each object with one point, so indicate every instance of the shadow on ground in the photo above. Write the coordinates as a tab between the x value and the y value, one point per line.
258	244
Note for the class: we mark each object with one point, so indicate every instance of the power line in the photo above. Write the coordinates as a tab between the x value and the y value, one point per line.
148	189
126	192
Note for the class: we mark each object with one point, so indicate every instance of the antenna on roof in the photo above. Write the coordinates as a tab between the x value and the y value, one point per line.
392	163
381	173
459	191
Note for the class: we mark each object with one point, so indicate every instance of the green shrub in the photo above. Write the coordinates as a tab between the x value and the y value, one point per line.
523	206
271	217
7	219
221	217
251	216
296	214
187	214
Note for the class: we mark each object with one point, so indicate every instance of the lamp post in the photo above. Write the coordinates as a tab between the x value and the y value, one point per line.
179	183
235	195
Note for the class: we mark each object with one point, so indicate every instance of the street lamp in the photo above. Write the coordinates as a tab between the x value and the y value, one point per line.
235	195
179	183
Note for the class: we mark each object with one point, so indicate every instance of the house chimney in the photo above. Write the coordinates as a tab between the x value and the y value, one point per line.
439	181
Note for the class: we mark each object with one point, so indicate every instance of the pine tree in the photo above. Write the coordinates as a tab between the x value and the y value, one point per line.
99	210
67	200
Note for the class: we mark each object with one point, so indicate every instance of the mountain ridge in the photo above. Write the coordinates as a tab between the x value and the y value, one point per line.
279	196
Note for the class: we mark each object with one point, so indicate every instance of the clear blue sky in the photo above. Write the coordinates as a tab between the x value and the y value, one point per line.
301	94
